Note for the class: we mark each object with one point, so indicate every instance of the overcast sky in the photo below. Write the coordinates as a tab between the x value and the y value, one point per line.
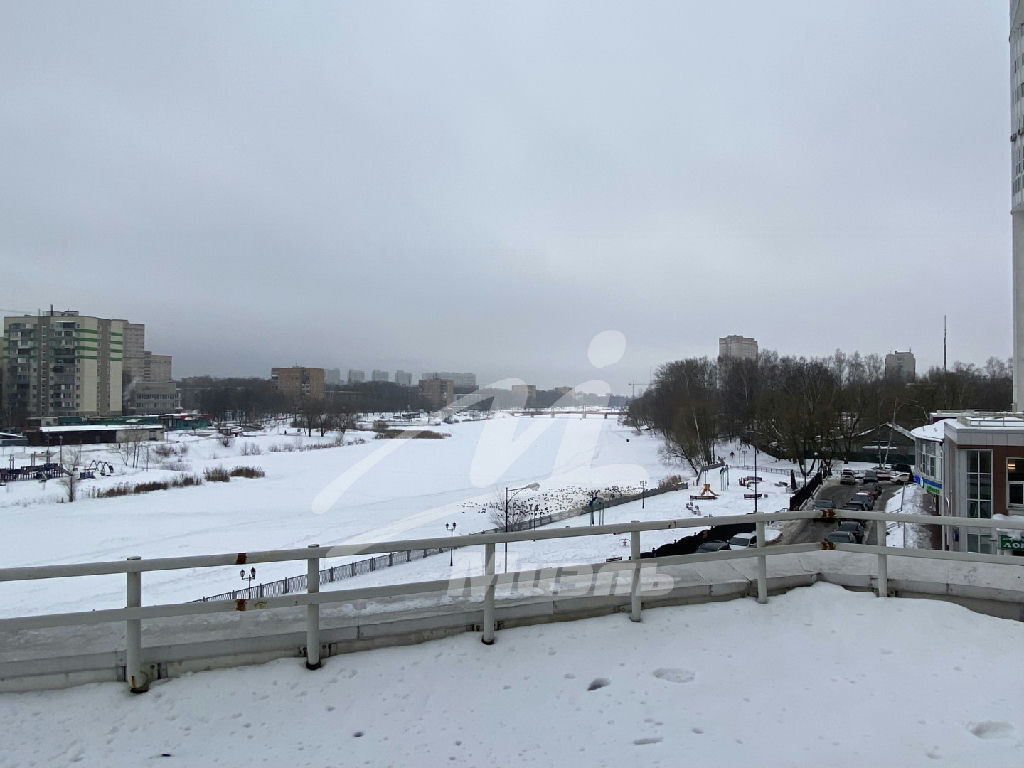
484	186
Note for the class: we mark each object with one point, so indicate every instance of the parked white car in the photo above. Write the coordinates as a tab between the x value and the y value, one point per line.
743	541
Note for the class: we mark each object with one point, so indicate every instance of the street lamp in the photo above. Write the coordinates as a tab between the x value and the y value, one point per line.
643	492
510	493
450	527
248	576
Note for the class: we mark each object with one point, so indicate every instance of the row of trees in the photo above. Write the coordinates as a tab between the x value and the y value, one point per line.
800	407
256	400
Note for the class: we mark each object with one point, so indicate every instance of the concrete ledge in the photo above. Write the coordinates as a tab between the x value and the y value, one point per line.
223	640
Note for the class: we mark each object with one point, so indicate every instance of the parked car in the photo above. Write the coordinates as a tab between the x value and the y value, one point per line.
870	476
824	505
854	527
883	473
847	477
857	505
901	477
866	498
871	489
899	467
841	537
712	546
743	541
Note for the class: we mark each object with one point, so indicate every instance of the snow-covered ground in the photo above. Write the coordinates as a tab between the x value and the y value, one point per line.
366	490
818	676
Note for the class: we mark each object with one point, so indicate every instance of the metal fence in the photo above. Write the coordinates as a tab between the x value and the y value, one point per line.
330	575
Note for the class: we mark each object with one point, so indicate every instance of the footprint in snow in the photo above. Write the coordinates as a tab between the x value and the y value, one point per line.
990	729
647	740
674	674
598	682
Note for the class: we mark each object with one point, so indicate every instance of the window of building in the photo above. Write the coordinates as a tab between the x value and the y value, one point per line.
927	459
1015	481
979	483
979	543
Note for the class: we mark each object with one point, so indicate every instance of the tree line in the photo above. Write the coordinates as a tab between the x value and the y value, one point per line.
807	409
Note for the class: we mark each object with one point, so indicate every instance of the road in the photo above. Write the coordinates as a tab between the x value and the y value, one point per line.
814	531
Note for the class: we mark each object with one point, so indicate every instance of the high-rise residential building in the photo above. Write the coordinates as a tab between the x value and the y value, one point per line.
332	376
379	375
1017	193
438	393
737	347
299	382
460	379
134	350
62	364
404	378
355	376
900	365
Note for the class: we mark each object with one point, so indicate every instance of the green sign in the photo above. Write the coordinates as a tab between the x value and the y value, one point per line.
1008	542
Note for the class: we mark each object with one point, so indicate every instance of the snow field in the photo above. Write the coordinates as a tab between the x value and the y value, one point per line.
819	676
370	491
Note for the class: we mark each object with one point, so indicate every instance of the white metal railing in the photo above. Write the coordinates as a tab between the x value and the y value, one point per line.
135	613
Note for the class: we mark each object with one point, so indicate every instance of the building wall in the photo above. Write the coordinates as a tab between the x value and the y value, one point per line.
134	350
63	363
901	365
740	347
404	378
999	440
439	393
157	368
379	375
355	376
158	398
525	394
1017	193
299	382
460	379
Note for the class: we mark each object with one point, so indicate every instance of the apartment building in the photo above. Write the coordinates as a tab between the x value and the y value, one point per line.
62	364
439	393
900	365
299	382
459	379
737	347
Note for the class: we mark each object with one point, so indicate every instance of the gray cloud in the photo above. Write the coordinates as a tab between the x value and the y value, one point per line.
486	186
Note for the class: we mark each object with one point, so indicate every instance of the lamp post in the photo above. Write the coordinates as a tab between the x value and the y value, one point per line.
450	527
643	492
510	493
248	576
757	491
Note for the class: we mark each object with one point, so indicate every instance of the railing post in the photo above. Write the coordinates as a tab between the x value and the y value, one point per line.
762	564
488	636
138	681
313	612
883	562
634	594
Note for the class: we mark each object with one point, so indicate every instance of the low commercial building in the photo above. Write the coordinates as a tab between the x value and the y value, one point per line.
154	397
89	434
982	477
928	442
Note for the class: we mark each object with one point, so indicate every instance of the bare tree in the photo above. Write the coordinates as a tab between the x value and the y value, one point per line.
130	448
69	466
519	510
